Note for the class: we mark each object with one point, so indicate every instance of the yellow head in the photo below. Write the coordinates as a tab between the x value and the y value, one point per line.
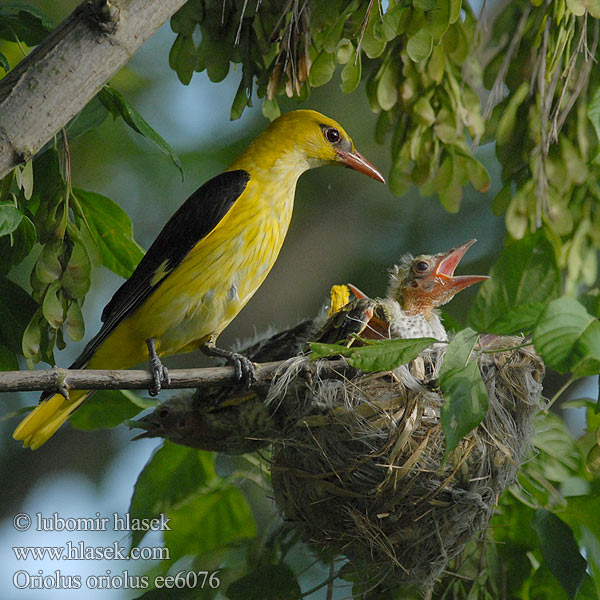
301	140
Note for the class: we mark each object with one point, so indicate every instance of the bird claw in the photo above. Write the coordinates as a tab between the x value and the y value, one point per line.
245	371
160	373
160	376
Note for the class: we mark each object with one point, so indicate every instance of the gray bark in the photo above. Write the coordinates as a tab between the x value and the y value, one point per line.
75	379
52	84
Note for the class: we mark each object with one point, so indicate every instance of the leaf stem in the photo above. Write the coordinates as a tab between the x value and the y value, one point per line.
508	348
560	392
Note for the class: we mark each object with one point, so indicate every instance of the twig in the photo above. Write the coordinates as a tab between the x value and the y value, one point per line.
57	79
497	87
76	379
560	392
363	28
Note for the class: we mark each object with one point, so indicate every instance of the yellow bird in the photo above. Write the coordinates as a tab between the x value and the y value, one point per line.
207	262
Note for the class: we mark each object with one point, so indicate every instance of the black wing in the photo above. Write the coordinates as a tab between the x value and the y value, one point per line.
195	219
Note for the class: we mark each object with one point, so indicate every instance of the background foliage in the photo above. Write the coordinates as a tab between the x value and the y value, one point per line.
515	89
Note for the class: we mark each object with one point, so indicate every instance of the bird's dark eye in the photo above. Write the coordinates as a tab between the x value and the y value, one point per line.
332	135
421	266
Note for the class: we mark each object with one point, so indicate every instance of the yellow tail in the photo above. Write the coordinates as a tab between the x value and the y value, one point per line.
42	422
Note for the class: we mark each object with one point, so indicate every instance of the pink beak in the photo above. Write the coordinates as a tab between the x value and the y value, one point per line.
359	163
357	293
448	263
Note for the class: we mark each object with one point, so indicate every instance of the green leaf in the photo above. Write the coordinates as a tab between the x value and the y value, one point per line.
455	6
4	63
592	460
351	74
526	274
187	17
333	34
501	200
436	66
10	217
466	403
478	175
438	20
424	111
52	307
420	45
568	338
119	106
424	4
171	476
465	395
322	69
387	86
48	192
517	218
17	308
15	247
459	351
222	515
211	53
48	268
32	337
282	585
451	196
24	178
270	109
392	24
444	175
379	355
24	23
508	120
74	324
578	7
183	58
385	355
92	115
559	458
105	409
583	511
591	301
8	359
111	229
560	551
76	276
241	100
593	112
521	319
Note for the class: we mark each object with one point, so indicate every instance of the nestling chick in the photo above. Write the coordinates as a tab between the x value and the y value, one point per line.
417	287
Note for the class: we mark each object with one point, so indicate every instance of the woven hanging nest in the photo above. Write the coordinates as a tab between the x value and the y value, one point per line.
361	473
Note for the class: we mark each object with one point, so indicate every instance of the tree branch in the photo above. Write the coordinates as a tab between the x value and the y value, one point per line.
82	379
53	83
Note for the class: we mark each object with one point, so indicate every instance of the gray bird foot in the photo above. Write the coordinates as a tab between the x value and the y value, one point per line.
160	373
245	371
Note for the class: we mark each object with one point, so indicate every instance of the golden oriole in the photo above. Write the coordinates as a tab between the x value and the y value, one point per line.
207	262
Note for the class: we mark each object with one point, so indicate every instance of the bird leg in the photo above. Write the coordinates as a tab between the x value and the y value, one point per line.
160	374
244	367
